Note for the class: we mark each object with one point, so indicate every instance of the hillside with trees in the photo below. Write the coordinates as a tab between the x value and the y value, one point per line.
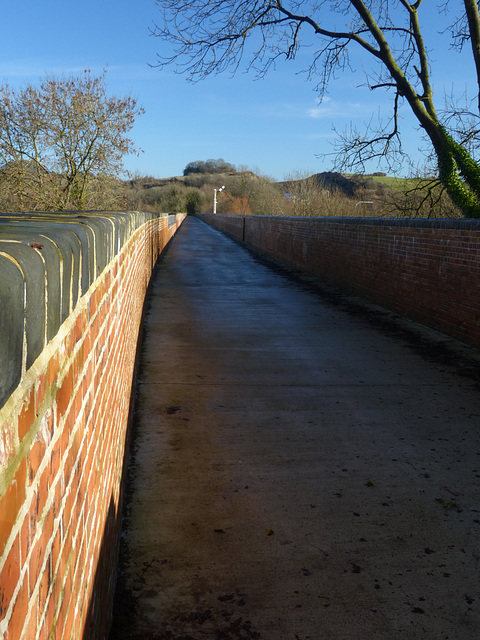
321	194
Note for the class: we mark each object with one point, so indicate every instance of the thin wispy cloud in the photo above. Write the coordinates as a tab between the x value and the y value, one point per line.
333	109
253	108
325	135
30	71
127	76
138	72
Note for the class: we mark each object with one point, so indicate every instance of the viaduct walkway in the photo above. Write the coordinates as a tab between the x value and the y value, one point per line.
302	468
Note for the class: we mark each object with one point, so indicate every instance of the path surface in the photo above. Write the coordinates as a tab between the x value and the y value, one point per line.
301	469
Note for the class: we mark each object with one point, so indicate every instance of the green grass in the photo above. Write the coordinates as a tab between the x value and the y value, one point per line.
397	184
401	184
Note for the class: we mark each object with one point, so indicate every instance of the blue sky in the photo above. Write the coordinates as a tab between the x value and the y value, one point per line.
274	126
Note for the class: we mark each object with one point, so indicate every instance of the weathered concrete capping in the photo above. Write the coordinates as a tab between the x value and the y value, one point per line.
47	262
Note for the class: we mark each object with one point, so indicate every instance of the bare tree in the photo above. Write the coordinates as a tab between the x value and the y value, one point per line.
211	37
63	139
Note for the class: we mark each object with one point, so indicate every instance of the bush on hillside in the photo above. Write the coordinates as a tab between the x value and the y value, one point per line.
209	166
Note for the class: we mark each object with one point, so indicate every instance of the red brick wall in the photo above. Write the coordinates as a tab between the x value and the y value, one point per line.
63	436
425	270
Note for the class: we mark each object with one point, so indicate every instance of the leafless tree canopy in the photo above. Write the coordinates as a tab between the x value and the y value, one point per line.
202	37
62	143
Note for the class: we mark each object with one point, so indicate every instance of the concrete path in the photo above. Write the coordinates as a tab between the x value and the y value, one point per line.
303	469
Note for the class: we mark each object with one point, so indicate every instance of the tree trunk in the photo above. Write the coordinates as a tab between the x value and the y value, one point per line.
459	173
471	9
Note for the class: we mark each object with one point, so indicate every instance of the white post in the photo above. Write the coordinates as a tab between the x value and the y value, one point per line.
215	198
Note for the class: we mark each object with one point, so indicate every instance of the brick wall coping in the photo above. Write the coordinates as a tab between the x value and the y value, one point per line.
462	224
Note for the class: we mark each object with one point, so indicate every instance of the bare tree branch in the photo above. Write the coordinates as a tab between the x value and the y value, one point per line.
201	38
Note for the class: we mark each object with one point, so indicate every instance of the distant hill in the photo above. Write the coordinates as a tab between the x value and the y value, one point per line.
348	185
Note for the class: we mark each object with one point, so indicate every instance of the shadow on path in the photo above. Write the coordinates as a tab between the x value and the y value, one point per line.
301	469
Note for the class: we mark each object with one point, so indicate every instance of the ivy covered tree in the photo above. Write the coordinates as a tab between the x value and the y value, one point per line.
204	37
62	143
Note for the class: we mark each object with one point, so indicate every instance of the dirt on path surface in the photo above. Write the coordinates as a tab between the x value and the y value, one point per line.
300	470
